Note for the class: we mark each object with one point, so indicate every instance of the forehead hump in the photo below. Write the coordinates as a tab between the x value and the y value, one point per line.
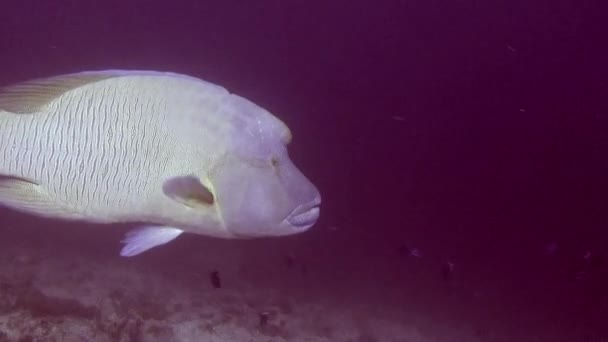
254	121
228	119
256	133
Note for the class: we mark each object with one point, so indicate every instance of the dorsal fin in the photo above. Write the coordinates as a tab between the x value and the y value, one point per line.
32	96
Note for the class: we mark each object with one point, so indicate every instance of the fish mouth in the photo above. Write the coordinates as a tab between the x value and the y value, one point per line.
305	215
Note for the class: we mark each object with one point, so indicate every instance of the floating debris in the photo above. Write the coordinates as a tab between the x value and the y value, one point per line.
290	260
398	118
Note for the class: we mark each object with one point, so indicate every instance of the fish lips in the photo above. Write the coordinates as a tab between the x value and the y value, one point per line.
305	215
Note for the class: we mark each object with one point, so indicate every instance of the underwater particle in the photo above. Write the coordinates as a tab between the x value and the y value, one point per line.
587	256
215	279
447	270
415	252
593	259
290	260
398	118
591	262
551	248
409	252
580	275
597	261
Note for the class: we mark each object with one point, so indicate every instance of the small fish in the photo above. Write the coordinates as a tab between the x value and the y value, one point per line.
263	319
215	279
169	152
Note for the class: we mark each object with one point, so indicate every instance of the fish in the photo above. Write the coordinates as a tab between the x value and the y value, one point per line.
166	152
215	279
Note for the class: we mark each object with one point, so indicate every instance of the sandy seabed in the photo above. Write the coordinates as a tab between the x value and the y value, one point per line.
73	286
52	296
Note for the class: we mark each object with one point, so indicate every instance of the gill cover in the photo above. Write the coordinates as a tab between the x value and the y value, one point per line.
257	198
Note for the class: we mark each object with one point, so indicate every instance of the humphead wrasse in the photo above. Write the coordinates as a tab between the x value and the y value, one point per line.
169	152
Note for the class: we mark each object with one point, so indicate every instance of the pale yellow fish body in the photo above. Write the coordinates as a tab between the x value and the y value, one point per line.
170	151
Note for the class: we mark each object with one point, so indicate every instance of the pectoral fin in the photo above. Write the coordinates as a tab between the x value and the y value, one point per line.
189	191
142	239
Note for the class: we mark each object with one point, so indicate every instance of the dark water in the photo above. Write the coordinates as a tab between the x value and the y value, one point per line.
475	132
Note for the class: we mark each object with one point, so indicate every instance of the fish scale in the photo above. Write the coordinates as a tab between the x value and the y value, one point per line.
72	143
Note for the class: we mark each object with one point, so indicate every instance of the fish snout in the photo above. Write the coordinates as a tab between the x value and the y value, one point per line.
305	215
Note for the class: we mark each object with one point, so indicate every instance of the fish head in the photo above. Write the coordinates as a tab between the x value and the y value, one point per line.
258	190
264	198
